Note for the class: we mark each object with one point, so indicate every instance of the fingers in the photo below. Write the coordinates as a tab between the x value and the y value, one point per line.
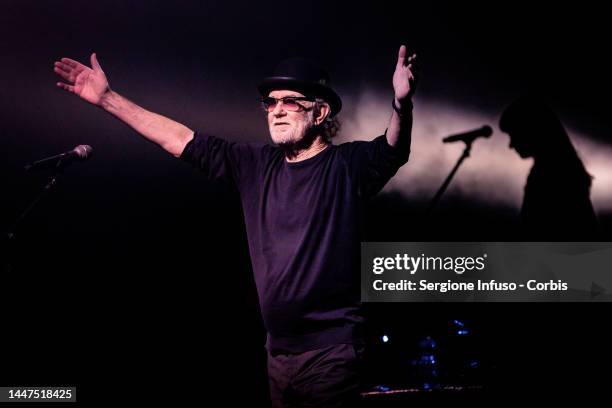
94	62
401	55
58	66
63	71
413	69
402	60
411	61
71	63
64	67
66	87
68	68
65	75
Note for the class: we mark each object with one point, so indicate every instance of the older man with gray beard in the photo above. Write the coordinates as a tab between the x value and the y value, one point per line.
302	200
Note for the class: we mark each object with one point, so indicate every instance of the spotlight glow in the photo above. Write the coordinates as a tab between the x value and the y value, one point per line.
493	174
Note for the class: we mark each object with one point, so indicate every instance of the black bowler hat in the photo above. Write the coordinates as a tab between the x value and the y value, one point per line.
304	76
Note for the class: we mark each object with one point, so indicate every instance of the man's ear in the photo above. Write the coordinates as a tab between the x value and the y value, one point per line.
323	113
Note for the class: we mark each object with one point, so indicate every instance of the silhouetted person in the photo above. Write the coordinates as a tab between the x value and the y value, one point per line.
556	204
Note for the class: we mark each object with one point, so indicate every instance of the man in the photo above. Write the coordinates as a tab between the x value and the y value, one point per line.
301	201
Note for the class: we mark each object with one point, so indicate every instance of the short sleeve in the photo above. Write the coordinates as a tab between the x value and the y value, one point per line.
221	160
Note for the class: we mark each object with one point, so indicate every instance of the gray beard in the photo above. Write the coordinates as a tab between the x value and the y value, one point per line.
291	149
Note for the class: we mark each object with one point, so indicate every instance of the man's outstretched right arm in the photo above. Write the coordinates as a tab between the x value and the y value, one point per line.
91	85
172	136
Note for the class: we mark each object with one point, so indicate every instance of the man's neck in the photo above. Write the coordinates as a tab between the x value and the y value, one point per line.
317	146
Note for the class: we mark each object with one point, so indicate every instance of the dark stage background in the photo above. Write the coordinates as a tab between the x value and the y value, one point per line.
135	272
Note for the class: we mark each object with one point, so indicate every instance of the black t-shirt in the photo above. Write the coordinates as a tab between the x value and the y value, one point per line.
303	223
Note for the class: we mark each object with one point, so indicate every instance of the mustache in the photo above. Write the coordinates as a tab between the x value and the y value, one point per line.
290	148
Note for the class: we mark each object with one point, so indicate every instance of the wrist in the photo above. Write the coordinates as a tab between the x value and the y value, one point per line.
105	101
403	106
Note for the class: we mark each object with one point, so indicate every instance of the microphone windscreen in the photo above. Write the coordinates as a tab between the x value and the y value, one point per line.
83	151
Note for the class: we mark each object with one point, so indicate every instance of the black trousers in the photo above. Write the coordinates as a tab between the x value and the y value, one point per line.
327	377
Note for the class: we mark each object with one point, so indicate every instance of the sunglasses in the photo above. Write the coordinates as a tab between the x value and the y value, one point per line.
290	103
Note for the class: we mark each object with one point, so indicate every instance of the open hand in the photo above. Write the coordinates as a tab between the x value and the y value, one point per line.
88	83
404	78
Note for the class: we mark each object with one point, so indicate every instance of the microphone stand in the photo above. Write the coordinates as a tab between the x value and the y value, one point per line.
10	235
466	153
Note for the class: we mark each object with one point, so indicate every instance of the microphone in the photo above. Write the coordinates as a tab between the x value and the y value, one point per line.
79	153
469	137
